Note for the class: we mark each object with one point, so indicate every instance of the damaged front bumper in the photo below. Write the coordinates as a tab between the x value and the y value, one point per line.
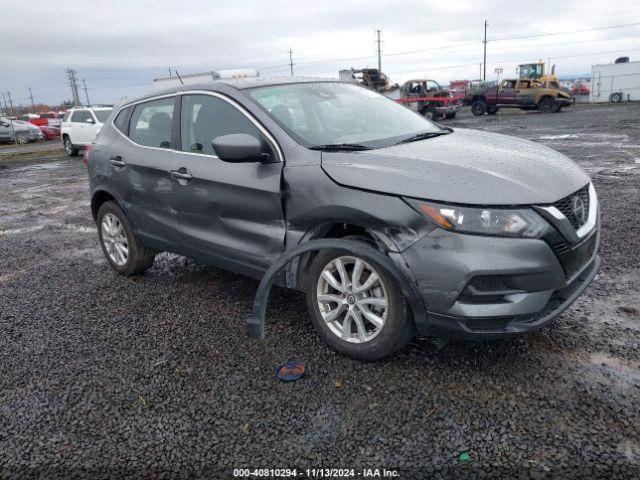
482	287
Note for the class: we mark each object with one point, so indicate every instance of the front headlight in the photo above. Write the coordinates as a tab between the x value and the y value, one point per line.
507	222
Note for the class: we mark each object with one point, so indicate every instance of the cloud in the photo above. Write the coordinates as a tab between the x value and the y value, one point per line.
119	46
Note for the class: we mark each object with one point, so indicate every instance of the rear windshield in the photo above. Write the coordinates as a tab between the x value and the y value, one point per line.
102	115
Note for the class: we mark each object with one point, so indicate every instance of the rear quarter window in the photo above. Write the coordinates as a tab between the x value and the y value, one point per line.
79	116
121	120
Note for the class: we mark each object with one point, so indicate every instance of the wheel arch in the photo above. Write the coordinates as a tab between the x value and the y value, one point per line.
334	229
102	195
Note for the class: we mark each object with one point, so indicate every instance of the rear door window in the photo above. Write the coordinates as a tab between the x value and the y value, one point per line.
151	123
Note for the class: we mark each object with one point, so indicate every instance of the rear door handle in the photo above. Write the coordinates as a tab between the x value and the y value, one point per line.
117	161
181	174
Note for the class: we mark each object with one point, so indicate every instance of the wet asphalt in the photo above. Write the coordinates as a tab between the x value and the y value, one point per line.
154	377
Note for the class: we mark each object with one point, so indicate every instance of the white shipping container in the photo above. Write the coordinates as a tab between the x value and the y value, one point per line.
607	80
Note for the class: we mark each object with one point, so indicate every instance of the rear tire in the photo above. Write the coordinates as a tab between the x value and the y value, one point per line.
125	255
479	108
69	148
361	338
546	105
492	109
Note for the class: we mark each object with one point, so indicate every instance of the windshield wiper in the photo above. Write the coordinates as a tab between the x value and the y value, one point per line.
336	147
423	136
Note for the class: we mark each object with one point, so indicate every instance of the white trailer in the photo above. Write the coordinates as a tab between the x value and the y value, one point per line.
206	77
615	82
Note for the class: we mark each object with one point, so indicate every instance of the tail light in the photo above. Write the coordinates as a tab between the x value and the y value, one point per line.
87	154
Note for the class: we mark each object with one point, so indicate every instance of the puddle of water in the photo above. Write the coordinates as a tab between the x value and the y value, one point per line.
622	370
559	137
38	166
13	231
77	228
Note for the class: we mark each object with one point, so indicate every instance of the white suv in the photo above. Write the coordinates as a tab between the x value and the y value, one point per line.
80	126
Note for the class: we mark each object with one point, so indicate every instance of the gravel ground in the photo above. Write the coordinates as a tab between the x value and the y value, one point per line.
12	148
154	377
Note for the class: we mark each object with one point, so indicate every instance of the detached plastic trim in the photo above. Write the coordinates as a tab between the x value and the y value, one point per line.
255	319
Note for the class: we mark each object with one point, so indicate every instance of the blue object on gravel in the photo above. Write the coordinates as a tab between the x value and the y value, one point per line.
290	371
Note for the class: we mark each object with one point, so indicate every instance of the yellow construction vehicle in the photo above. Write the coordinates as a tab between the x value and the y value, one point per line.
536	71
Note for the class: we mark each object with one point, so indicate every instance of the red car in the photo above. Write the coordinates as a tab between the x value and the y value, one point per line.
580	89
50	132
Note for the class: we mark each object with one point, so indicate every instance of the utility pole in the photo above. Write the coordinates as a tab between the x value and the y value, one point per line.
484	74
86	90
291	61
33	105
480	64
73	83
378	42
10	103
5	109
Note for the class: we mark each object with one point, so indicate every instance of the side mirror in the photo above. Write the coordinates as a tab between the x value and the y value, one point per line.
90	120
241	148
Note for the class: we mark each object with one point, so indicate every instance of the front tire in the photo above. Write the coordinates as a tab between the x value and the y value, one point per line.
69	148
356	307
125	255
22	138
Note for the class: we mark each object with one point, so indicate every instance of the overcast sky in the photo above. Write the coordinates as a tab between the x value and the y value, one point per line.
120	46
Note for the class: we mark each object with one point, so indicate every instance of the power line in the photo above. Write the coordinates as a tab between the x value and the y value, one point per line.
73	83
291	61
33	106
484	73
565	33
379	51
10	103
86	91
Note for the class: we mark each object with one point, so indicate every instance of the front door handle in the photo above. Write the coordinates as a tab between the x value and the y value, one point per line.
181	174
117	161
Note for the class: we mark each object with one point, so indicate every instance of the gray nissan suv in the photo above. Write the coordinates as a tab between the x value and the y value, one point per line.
392	225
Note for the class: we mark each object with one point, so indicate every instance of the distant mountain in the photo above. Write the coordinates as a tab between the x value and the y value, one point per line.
574	76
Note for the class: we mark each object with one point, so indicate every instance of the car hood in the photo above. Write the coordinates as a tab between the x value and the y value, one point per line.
466	166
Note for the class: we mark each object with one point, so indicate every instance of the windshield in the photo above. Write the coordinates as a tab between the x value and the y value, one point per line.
102	115
339	113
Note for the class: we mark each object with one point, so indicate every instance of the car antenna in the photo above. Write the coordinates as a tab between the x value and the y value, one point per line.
179	77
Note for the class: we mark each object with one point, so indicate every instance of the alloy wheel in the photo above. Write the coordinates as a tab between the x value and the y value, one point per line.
352	299
114	239
67	146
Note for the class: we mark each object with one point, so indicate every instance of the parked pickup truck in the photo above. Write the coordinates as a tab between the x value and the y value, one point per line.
526	94
426	97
